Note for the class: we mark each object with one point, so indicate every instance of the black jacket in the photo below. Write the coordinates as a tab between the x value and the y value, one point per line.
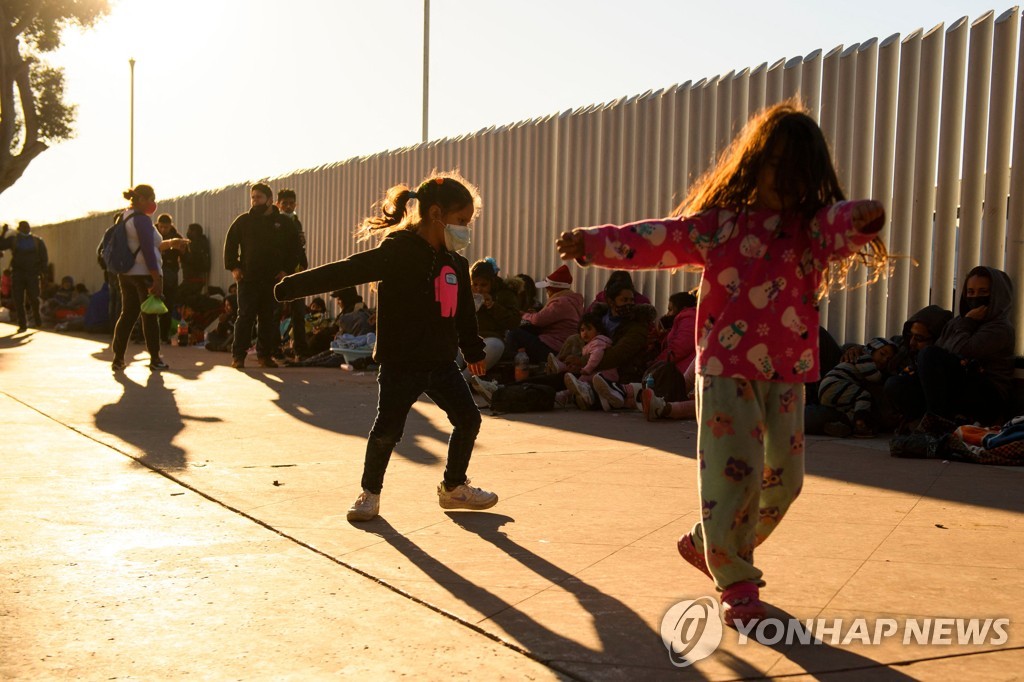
28	253
262	246
425	309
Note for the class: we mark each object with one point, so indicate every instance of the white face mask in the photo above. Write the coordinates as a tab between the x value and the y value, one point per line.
456	237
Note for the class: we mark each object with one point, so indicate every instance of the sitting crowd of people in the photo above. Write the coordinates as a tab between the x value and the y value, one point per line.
616	353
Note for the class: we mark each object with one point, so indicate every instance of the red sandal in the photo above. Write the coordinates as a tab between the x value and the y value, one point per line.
741	603
688	551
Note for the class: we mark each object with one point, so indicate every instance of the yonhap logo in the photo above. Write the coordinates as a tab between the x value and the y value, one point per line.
692	630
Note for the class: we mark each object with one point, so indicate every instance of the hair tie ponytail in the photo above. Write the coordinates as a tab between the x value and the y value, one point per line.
411	194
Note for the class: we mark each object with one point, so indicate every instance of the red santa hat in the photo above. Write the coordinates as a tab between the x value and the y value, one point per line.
559	279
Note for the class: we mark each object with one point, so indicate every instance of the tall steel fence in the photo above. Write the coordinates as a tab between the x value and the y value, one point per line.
930	124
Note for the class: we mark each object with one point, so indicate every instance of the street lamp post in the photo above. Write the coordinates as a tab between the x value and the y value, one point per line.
426	63
131	127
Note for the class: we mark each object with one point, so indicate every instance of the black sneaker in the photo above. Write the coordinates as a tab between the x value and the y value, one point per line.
157	365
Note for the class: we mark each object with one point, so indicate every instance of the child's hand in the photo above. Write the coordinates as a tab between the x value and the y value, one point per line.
570	245
868	216
477	369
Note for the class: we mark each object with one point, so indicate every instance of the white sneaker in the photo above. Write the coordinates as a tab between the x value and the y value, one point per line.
366	507
484	387
584	394
612	398
465	496
563	398
554	366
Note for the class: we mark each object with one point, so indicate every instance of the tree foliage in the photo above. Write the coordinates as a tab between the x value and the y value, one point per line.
33	113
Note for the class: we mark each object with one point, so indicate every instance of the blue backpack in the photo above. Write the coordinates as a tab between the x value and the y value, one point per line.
117	257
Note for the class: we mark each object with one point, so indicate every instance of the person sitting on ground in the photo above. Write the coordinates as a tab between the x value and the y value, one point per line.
320	327
559	375
545	331
844	388
921	330
61	301
629	327
965	375
617	276
596	342
525	289
670	397
497	311
354	318
671	374
220	338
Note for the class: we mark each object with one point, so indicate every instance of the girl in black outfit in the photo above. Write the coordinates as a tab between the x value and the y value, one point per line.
425	315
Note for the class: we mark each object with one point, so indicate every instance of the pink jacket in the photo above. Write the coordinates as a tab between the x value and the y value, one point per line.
681	343
558	319
593	353
757	317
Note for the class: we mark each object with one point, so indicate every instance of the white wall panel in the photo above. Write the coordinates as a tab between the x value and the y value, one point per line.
979	71
1000	121
950	145
922	222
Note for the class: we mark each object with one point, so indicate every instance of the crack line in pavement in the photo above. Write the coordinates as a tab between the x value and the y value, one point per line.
436	609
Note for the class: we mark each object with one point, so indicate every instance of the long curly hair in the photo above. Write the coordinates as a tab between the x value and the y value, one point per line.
784	134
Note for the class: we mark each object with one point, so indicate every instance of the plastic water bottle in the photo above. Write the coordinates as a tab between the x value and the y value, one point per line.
182	333
522	365
649	382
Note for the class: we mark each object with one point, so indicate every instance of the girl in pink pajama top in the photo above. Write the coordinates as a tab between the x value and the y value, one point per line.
764	225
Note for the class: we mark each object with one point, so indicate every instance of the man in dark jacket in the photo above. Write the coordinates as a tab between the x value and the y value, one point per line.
28	262
261	247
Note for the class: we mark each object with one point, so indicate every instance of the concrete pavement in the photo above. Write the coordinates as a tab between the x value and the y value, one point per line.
192	522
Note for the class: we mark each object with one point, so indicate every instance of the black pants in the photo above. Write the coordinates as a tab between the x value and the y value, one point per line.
134	290
399	389
256	304
944	386
171	300
26	284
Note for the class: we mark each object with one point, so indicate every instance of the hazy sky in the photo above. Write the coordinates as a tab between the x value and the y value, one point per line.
230	91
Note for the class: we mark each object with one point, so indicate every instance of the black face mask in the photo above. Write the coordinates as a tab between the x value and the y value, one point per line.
626	310
258	210
972	302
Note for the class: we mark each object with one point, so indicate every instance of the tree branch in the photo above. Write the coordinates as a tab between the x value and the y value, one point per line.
12	170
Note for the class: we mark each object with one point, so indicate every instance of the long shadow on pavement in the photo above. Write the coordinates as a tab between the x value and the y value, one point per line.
318	403
623	633
147	416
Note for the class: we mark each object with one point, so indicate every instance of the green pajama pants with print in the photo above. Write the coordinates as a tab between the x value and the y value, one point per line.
750	441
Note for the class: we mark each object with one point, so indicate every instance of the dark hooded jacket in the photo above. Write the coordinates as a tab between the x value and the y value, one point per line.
934	318
989	342
425	307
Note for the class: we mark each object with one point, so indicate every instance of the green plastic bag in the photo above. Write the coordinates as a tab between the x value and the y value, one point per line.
153	306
